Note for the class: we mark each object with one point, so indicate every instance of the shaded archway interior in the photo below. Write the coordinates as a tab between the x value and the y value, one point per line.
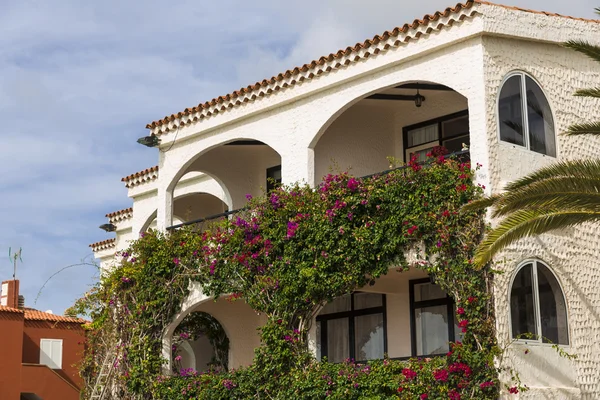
242	166
390	123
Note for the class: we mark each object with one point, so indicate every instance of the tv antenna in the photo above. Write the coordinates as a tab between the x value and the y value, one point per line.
14	257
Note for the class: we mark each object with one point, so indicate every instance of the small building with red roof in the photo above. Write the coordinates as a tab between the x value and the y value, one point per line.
39	350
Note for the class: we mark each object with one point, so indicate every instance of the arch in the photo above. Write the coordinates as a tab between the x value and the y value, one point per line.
538	309
366	94
185	166
205	187
364	132
152	218
520	97
188	359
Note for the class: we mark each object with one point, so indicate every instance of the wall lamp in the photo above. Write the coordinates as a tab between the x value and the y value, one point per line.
149	141
108	227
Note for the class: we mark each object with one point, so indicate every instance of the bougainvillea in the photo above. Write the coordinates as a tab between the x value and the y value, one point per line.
288	254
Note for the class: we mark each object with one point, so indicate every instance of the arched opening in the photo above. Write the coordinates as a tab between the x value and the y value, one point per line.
524	115
199	344
400	121
241	167
538	309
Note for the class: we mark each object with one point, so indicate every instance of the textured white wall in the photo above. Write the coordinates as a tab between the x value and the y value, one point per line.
572	254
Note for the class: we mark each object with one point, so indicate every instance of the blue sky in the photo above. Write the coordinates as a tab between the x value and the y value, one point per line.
79	80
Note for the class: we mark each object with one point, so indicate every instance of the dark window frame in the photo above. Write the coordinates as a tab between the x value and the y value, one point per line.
270	184
351	315
440	122
533	262
524	107
415	305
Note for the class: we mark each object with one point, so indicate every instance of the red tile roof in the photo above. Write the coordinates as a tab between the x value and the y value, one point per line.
120	212
149	174
36	315
320	66
103	245
10	309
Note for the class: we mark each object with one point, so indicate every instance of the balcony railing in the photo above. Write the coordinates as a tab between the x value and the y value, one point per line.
464	155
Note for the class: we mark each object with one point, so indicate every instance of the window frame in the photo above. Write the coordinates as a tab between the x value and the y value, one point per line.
523	93
269	172
351	314
448	301
440	122
52	357
536	295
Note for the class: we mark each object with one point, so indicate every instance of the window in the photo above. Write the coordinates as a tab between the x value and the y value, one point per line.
273	177
352	326
51	353
450	131
433	319
537	305
525	118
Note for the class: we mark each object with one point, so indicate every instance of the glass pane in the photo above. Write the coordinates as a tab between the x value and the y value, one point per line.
367	300
428	291
521	303
541	124
456	144
455	127
553	310
337	305
338	344
421	154
419	136
432	330
368	331
510	111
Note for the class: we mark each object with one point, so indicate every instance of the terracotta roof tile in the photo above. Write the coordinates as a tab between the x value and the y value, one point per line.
120	215
36	315
147	175
103	245
343	58
10	309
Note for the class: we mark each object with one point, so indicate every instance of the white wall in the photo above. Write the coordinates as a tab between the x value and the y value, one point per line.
572	254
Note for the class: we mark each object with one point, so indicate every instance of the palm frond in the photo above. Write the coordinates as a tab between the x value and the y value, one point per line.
593	92
527	223
573	169
584	47
591	128
562	192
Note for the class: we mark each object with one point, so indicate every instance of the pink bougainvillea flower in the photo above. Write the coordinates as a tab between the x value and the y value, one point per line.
441	375
513	390
460	311
409	373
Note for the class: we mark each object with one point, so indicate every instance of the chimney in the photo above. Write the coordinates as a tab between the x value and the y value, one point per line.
10	294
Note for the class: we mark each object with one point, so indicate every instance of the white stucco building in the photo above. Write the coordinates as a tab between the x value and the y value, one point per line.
493	77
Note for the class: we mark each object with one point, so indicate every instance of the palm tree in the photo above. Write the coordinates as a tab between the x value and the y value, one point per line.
558	196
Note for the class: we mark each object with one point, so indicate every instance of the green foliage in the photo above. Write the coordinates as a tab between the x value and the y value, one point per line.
286	256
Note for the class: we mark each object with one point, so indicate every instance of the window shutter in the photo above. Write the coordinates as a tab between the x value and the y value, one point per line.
51	353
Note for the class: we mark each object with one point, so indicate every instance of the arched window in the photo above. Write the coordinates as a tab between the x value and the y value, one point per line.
537	305
525	118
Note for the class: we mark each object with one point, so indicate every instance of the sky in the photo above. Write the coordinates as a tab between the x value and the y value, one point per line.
79	80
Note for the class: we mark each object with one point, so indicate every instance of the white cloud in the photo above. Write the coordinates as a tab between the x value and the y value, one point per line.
79	81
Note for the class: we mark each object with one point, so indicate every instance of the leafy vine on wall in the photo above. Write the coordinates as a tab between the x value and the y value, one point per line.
287	255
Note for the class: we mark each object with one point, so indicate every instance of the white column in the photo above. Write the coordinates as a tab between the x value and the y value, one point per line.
164	212
298	165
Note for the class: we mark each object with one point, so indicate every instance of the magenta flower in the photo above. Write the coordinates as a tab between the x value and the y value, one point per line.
409	373
353	184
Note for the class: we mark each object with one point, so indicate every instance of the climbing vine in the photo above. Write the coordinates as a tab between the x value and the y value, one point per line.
287	255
